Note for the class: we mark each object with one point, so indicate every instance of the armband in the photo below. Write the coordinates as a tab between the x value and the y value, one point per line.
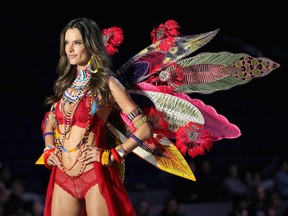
136	139
47	133
135	113
140	121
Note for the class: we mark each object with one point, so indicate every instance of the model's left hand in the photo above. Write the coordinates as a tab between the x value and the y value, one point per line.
90	154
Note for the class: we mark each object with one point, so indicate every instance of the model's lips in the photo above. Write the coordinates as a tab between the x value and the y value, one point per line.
71	56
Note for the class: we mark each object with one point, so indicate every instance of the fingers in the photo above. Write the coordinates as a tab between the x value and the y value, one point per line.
90	154
53	160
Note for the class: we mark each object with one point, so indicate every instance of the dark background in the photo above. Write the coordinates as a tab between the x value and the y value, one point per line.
29	55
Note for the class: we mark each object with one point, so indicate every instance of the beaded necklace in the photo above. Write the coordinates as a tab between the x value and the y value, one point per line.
76	91
71	98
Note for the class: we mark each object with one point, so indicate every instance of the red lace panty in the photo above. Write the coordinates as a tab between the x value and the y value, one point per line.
76	187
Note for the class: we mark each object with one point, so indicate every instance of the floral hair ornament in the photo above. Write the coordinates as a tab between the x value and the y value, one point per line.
112	38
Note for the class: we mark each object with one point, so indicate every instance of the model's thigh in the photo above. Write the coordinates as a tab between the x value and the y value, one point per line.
64	204
95	203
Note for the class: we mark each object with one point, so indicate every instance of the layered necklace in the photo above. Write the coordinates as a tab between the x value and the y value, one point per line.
72	97
76	91
69	102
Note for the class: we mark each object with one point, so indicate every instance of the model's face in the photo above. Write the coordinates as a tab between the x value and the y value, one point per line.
75	50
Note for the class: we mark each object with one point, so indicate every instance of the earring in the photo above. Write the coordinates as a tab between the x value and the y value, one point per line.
90	69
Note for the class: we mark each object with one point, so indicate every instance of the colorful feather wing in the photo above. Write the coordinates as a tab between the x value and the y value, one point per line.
209	72
159	150
219	125
179	109
192	125
171	161
159	78
160	55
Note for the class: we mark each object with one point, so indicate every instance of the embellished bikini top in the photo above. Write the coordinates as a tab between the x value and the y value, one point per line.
81	113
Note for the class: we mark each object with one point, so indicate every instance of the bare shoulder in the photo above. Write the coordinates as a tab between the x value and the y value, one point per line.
115	84
120	95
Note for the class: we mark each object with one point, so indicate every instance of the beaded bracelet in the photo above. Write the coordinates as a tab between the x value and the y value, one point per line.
116	155
135	113
47	153
140	121
121	151
105	158
48	147
136	139
47	133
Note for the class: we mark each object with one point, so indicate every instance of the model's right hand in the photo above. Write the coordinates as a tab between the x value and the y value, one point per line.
53	160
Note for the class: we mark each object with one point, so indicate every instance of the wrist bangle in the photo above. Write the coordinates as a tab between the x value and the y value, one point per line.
47	153
116	155
121	150
105	158
48	147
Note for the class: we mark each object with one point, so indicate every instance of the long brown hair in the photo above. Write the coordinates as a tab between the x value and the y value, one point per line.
92	38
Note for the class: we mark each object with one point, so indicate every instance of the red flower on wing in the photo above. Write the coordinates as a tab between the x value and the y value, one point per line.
193	139
112	38
166	30
165	33
177	76
156	119
166	76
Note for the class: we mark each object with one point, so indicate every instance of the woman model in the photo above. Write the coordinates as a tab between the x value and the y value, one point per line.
84	176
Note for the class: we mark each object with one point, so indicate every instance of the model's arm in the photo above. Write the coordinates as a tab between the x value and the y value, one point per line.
143	132
48	128
48	125
122	98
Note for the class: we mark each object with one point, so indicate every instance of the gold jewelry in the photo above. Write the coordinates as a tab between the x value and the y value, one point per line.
105	158
90	69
